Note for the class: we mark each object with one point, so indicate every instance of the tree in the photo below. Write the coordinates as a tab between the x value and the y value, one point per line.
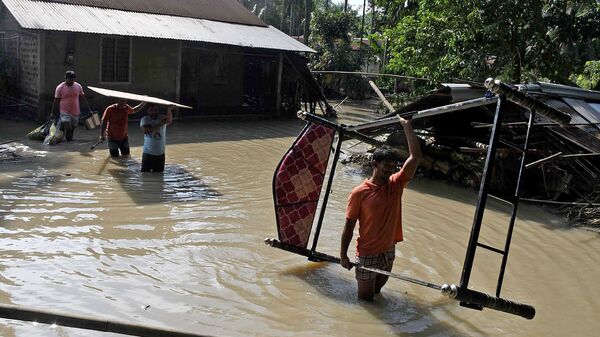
511	39
590	78
333	31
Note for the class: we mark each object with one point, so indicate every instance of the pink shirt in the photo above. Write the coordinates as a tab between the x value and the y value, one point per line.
69	97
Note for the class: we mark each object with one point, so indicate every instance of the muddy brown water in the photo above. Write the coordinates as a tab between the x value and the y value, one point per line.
88	235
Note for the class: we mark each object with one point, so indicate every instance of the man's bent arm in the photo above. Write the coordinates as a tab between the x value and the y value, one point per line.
345	242
170	114
414	149
138	107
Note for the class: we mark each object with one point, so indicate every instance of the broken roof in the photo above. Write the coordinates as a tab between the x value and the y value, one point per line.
60	16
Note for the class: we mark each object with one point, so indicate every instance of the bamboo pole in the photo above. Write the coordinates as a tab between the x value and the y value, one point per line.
387	104
363	73
543	160
10	311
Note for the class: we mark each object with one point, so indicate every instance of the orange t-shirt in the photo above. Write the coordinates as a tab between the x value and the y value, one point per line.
116	121
378	210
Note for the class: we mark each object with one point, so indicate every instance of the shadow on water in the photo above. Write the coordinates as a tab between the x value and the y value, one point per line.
175	184
396	309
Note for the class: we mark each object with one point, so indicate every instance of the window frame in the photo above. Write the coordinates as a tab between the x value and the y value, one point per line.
129	65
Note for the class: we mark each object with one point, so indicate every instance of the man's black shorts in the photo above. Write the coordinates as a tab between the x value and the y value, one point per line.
115	145
151	163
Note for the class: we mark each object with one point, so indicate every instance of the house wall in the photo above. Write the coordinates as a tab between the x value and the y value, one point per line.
153	67
19	68
227	80
211	78
214	79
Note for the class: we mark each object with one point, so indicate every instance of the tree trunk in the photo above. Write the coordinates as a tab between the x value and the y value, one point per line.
307	18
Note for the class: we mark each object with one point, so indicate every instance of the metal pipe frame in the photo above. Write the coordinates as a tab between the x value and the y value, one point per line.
513	216
477	102
483	192
336	157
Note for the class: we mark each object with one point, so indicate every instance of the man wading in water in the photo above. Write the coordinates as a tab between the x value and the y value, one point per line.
376	204
66	98
114	126
155	138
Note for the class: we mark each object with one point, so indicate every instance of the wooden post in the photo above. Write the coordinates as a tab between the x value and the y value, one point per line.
279	83
307	19
178	75
387	104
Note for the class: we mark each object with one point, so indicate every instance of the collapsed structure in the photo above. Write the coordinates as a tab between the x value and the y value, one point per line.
562	168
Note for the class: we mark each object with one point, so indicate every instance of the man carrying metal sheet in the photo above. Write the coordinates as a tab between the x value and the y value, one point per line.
154	128
114	126
376	205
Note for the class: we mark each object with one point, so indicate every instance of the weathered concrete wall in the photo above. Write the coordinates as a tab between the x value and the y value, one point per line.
153	67
29	67
228	80
20	68
212	78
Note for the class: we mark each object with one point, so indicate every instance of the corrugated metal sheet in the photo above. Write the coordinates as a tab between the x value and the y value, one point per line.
586	136
559	90
216	10
584	109
74	18
561	106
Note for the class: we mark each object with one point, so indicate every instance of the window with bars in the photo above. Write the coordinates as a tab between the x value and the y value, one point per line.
115	59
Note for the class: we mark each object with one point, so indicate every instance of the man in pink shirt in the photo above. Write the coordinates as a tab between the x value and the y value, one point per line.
66	97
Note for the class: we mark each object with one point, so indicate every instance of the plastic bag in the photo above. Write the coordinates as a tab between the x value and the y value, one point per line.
40	132
55	135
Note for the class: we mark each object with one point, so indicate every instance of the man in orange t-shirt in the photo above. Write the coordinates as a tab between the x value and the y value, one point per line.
114	126
376	205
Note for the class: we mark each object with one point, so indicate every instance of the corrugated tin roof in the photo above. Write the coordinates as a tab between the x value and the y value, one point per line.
559	90
584	109
44	15
216	10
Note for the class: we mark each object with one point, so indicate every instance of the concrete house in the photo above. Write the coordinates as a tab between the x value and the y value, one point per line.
213	55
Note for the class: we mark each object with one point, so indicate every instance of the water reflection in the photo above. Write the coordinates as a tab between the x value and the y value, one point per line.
87	234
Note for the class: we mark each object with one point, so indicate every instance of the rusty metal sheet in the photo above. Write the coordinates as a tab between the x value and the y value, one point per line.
43	15
216	10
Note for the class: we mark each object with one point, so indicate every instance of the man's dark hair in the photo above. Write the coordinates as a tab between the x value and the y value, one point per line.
69	74
385	153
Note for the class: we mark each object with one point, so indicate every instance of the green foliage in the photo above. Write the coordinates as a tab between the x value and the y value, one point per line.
510	39
332	39
590	78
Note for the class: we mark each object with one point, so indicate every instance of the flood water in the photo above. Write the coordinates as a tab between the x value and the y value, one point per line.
88	235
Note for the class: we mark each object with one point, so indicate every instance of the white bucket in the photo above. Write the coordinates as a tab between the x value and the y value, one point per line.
92	121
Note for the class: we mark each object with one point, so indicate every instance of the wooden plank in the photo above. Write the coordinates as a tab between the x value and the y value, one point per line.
136	97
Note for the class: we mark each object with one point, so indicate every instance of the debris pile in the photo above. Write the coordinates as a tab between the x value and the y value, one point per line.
562	159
